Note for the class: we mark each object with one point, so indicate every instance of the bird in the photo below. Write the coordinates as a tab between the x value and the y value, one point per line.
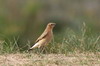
45	37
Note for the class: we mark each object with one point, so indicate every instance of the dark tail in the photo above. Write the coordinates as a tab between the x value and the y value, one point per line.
29	50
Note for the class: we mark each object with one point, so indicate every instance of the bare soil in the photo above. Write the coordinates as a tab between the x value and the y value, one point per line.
71	59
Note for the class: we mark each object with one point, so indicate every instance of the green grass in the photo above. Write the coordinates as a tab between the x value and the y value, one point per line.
72	48
81	41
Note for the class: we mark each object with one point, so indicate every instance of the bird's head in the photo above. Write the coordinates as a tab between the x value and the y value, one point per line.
51	25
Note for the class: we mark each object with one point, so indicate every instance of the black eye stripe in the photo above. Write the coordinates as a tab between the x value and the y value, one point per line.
52	24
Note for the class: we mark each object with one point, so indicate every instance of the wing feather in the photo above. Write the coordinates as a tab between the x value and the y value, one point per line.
44	34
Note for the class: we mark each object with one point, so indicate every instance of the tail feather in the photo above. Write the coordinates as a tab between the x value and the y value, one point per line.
34	46
29	49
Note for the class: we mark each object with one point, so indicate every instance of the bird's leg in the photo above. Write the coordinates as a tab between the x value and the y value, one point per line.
42	49
45	49
39	50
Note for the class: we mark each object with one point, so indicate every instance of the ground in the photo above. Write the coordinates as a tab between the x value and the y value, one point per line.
32	59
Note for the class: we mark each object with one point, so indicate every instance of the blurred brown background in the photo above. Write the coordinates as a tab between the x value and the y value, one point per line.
26	19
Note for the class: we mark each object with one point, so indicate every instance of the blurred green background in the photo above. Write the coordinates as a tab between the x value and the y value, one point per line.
25	20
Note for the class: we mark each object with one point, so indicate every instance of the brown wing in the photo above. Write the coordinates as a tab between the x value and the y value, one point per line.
44	34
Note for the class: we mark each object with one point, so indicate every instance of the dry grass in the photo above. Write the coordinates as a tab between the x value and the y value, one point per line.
73	50
71	59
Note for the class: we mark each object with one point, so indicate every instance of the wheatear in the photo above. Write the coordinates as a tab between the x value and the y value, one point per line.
45	38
